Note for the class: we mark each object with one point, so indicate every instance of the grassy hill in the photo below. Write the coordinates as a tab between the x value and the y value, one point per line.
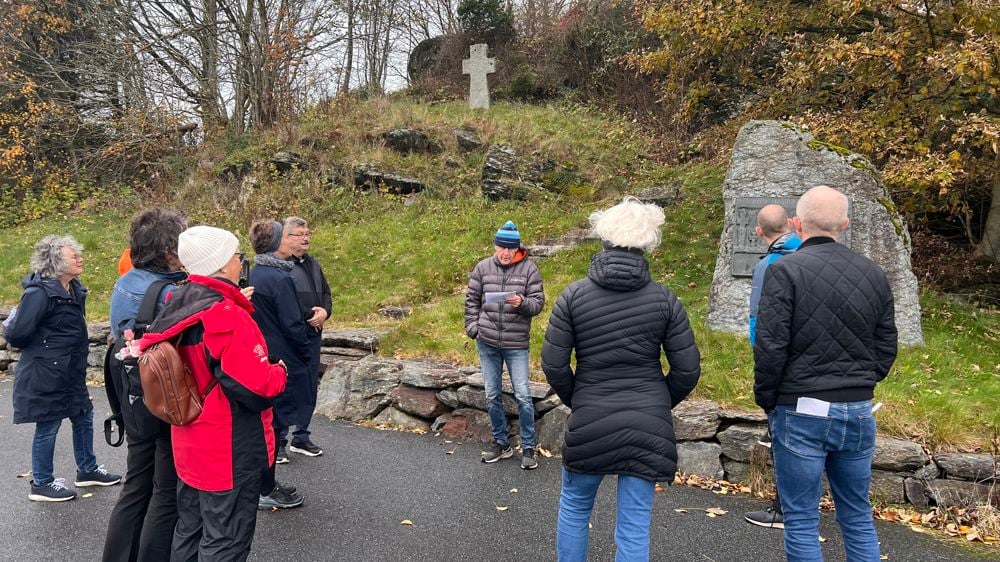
380	251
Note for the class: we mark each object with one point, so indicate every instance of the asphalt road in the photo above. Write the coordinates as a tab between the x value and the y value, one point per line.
368	481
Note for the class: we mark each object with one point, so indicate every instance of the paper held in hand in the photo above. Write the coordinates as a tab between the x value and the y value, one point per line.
812	407
491	298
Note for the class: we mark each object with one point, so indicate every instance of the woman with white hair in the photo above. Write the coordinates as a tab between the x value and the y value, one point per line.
617	319
50	382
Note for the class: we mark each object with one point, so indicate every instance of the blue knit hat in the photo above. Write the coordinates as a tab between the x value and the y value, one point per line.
508	236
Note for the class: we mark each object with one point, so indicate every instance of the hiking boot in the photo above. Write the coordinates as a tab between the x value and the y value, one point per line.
308	449
97	477
497	452
769	518
280	498
528	461
55	491
282	456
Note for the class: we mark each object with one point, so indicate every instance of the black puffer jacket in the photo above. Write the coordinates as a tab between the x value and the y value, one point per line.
617	319
826	327
500	324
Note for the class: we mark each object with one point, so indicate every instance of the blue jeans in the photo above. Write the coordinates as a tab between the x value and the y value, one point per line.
842	444
43	446
635	508
491	360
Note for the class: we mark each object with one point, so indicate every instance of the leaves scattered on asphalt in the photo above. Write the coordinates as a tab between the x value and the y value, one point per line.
406	522
502	508
87	495
513	490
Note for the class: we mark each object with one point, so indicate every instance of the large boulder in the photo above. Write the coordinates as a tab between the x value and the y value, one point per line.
466	423
357	390
408	141
738	440
370	178
99	332
365	339
418	401
427	374
505	175
476	398
283	162
701	458
898	455
958	493
663	196
468	140
449	398
695	420
551	429
546	404
968	466
773	160
887	487
424	57
398	418
731	415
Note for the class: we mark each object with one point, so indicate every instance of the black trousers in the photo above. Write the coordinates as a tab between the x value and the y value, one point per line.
215	526
141	526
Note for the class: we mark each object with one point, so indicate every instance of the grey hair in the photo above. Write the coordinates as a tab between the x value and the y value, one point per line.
48	261
293	222
629	224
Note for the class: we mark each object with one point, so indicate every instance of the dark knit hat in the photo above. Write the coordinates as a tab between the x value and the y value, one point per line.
508	236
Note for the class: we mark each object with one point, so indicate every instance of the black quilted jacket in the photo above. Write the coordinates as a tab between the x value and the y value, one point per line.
825	329
617	320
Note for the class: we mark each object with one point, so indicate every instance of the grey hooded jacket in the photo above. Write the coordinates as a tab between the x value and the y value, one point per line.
500	324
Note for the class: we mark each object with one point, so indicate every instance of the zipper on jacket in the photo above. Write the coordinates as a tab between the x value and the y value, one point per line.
503	287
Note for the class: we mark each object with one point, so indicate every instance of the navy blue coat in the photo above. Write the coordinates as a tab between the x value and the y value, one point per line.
50	381
279	316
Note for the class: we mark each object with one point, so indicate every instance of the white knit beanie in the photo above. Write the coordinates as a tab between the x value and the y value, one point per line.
204	250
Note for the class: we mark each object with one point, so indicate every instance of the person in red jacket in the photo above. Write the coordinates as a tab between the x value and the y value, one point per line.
220	456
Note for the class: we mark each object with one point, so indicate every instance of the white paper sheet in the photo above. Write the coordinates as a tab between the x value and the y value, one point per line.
491	298
812	407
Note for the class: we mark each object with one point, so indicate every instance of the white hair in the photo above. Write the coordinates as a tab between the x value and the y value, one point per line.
47	260
629	224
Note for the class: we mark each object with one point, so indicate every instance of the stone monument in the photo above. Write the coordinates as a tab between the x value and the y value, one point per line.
775	162
477	66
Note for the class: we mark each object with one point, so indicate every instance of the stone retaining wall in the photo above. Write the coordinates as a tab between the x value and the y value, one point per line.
712	441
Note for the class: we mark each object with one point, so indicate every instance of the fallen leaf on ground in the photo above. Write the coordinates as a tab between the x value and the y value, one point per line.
502	508
513	490
659	488
406	522
713	511
884	557
87	495
681	510
24	474
544	452
822	538
451	452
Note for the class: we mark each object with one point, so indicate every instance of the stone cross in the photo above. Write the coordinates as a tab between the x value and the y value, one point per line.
477	66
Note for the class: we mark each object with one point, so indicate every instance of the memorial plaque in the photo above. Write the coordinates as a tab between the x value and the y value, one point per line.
748	248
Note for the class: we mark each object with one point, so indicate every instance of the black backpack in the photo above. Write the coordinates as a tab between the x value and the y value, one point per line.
121	379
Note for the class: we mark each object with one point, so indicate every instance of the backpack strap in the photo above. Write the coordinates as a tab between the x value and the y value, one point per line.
115	417
147	310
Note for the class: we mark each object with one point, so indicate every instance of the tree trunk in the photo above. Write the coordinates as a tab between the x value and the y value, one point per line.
348	65
990	245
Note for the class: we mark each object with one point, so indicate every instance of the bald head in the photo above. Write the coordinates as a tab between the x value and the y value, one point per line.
772	222
821	211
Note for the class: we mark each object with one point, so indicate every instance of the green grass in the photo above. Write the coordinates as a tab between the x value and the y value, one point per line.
377	251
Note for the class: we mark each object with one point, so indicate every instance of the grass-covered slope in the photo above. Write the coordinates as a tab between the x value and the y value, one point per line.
379	251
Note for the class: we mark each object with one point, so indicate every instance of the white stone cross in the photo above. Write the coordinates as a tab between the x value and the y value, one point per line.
477	66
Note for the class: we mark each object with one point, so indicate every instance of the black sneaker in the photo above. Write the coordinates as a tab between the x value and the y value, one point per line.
280	498
308	449
497	452
528	461
282	456
98	477
769	518
55	491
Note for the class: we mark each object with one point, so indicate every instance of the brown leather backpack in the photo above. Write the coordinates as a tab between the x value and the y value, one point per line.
168	387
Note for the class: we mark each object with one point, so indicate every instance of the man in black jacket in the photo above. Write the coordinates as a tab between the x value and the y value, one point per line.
316	300
826	335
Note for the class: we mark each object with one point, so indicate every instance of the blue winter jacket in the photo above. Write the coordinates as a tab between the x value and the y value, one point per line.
279	316
784	245
49	327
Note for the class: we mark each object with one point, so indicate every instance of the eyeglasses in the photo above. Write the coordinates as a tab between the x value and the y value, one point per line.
300	235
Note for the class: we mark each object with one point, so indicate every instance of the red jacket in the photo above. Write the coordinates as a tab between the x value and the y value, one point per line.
232	440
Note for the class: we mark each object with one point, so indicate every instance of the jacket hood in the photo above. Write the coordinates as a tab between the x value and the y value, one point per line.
619	270
785	244
52	287
519	255
188	304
